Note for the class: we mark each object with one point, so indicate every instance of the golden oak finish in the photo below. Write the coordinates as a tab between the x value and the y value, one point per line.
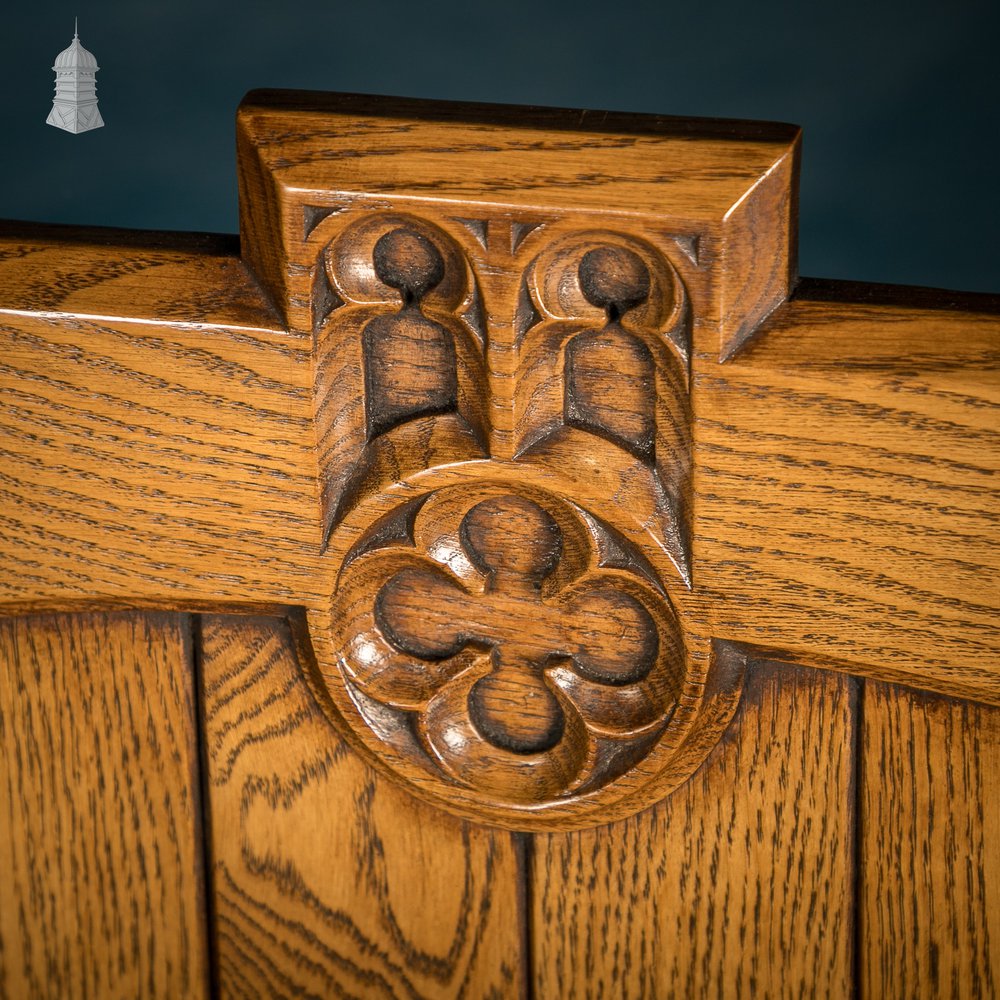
100	841
179	445
186	279
328	879
150	461
724	188
520	427
846	466
519	660
738	884
929	907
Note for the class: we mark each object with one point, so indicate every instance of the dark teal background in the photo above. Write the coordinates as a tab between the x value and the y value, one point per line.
899	102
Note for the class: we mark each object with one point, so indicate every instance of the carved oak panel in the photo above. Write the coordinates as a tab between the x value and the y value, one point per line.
526	650
473	410
503	415
502	372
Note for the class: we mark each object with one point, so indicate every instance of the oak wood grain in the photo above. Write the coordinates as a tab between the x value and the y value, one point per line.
158	441
301	149
136	452
739	884
100	836
929	900
181	278
329	880
846	466
191	423
517	662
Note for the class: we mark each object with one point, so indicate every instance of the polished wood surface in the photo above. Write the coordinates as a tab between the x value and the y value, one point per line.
534	653
174	431
846	466
170	279
502	477
100	814
673	902
328	880
929	906
725	189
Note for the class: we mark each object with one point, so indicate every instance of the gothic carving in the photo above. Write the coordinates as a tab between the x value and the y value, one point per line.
605	355
505	633
515	645
410	365
388	307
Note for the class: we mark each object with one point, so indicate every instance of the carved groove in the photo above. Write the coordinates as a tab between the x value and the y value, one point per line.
610	389
610	374
520	231
526	315
410	364
479	229
603	327
325	300
313	215
614	279
690	245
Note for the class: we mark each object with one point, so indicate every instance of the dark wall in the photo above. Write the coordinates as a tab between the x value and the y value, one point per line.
899	102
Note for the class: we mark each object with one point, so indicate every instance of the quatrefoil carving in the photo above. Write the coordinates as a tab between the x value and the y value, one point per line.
530	654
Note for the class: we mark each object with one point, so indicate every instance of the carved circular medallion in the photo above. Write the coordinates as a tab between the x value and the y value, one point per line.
506	649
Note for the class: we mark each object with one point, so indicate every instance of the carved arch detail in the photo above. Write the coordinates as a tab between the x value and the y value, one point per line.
395	301
606	355
509	639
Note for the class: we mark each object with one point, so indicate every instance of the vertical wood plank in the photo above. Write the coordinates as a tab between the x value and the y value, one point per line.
930	846
739	884
328	879
101	886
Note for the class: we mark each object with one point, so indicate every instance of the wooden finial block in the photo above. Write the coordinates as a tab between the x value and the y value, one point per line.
506	307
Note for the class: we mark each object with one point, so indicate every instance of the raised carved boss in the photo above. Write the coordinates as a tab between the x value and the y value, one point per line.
528	660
